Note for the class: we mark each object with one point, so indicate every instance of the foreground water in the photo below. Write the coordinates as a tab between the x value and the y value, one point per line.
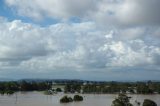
39	99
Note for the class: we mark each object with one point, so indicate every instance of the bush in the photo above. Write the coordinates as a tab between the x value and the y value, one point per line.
9	92
66	99
122	100
59	90
148	102
2	92
78	98
70	99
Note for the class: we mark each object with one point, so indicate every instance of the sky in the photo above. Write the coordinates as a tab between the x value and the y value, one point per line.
109	40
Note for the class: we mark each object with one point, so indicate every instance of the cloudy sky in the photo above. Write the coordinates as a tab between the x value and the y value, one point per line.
80	39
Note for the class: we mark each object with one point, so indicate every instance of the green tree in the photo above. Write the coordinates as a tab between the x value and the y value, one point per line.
148	102
122	100
59	90
66	99
78	98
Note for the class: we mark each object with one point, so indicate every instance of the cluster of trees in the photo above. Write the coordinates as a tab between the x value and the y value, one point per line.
73	87
148	88
115	87
11	87
8	87
124	100
108	88
77	98
148	102
66	99
31	86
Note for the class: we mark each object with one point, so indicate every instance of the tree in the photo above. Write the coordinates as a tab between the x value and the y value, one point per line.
142	88
67	88
66	99
59	90
78	98
122	100
72	88
148	102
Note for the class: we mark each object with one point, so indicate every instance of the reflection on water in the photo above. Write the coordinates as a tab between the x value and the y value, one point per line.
39	99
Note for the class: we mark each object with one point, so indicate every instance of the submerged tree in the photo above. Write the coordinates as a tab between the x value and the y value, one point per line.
78	98
148	102
122	100
66	99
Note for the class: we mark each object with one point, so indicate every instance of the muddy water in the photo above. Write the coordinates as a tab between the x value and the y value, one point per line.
39	99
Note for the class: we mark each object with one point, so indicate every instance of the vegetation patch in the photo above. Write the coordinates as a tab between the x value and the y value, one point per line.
66	99
122	100
148	102
8	92
78	98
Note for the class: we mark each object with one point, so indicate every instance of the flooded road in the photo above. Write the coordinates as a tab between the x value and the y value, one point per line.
39	99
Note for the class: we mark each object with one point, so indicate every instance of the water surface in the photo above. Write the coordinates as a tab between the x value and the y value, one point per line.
39	99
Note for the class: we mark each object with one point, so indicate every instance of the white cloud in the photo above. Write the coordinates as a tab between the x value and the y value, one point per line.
73	47
132	53
140	12
132	33
37	9
106	12
111	35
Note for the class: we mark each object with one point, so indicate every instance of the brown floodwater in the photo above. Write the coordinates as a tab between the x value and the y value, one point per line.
39	99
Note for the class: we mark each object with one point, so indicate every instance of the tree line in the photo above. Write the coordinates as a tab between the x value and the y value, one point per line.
106	87
115	87
13	86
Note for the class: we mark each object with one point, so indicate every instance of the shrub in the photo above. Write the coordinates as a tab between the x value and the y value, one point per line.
148	102
9	92
122	100
59	90
78	98
66	99
2	92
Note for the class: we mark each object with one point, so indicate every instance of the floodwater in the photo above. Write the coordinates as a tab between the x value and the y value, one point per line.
39	99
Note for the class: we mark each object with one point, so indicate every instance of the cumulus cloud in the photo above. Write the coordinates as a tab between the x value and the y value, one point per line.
136	54
140	12
53	8
76	46
111	36
106	12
